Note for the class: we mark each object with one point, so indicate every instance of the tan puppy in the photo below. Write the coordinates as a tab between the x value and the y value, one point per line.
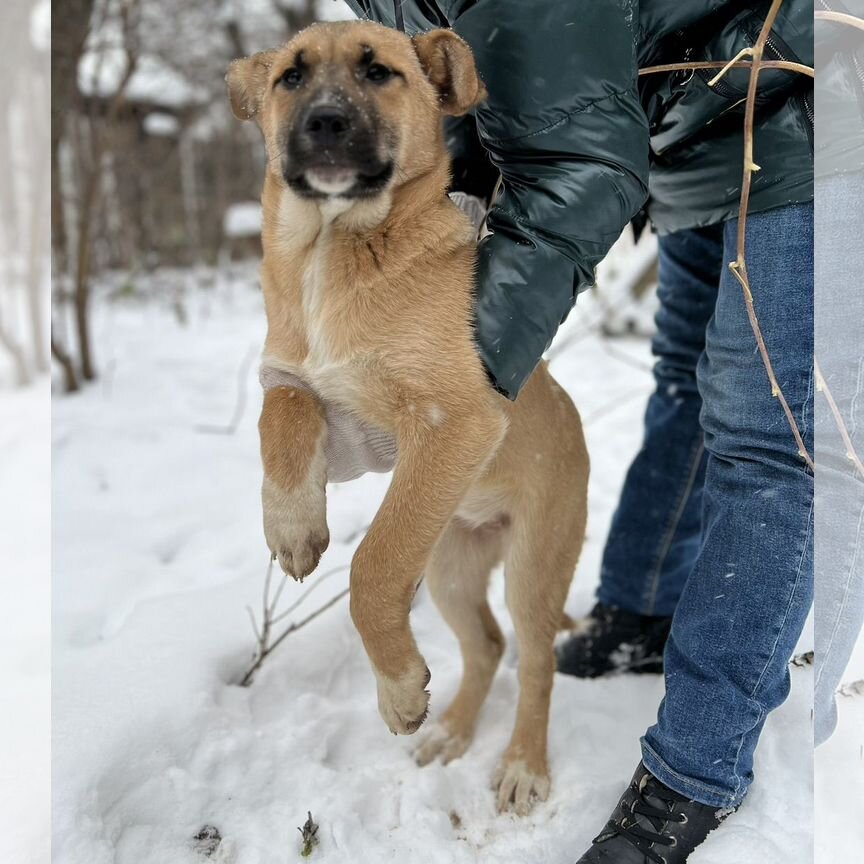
367	276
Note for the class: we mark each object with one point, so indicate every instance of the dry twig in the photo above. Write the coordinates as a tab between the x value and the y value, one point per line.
822	387
739	266
734	64
265	644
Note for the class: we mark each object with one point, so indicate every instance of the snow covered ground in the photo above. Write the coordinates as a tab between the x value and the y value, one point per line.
158	549
25	620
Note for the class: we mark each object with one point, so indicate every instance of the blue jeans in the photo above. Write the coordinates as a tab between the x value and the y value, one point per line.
714	524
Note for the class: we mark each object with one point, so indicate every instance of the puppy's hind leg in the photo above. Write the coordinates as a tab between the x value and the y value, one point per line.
458	577
538	571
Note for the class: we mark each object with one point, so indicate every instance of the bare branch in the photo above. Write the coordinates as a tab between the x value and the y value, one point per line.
254	623
739	266
272	607
851	453
262	656
264	646
788	65
318	581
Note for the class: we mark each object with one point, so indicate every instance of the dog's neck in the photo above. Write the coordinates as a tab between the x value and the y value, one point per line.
410	200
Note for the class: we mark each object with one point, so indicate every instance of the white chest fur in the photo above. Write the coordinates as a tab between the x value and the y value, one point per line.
307	227
314	288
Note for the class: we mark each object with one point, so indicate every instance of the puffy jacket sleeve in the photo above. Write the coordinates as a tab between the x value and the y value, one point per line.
564	126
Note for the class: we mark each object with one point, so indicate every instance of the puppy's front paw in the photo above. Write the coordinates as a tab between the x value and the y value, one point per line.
295	526
404	703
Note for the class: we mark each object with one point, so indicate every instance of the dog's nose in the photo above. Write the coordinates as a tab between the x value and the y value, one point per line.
327	125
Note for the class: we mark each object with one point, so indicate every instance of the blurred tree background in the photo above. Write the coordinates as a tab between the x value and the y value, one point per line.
149	167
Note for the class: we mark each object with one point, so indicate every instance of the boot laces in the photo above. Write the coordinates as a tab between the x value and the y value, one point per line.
646	833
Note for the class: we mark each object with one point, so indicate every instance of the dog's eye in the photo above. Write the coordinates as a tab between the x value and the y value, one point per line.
292	77
378	73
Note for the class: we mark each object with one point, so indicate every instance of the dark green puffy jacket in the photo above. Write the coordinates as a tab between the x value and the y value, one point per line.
573	133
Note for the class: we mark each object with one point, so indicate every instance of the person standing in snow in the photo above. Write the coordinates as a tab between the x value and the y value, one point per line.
708	568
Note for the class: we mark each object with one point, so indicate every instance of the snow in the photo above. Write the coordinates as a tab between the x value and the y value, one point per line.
158	549
162	125
242	220
101	71
25	613
333	10
259	12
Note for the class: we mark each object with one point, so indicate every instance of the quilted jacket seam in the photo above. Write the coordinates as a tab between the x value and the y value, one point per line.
561	120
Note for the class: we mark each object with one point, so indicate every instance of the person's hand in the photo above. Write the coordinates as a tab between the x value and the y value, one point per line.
473	207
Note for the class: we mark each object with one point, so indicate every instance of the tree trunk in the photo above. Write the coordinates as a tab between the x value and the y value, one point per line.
87	206
68	35
70	377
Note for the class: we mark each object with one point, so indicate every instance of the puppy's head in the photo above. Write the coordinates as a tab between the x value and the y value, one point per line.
352	109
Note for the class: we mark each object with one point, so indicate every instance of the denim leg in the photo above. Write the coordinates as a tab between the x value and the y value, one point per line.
839	602
747	597
654	535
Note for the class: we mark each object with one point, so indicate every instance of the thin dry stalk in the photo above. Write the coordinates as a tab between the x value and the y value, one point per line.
739	266
853	456
265	645
788	65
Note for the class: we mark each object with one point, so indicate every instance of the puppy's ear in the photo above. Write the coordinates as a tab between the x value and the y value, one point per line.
247	80
449	65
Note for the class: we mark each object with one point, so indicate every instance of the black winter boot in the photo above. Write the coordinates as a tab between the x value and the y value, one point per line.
614	641
652	825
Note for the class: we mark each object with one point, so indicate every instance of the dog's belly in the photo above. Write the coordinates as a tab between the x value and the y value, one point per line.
484	508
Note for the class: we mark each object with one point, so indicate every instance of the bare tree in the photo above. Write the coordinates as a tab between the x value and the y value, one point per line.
68	35
87	132
169	207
